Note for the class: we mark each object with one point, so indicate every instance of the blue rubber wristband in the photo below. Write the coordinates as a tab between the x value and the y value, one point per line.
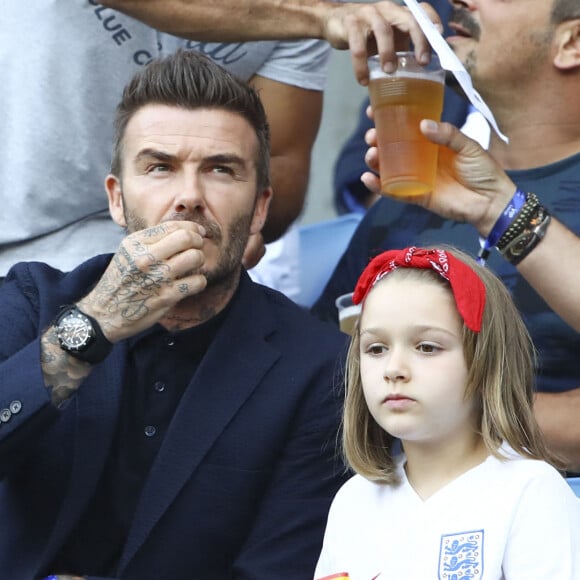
501	225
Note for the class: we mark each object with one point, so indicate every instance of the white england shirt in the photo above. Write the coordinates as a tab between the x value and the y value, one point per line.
502	520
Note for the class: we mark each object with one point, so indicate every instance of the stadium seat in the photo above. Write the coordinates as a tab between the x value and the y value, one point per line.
321	246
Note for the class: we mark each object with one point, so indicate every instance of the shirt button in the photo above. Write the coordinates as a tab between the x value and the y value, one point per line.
150	431
15	407
159	386
170	342
5	415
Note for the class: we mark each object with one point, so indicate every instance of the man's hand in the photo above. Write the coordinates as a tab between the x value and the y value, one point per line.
378	28
153	270
366	28
470	185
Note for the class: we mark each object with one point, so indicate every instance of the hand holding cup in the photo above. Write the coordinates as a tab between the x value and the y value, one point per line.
470	185
400	100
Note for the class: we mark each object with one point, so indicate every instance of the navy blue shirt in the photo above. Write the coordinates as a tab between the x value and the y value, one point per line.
160	365
391	224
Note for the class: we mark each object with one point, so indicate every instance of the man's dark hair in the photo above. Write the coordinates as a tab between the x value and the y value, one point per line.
192	81
563	10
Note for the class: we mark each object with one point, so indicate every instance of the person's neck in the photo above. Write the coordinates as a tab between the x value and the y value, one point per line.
535	144
430	467
543	127
197	309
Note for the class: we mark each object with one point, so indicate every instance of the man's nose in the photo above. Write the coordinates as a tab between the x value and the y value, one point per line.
190	195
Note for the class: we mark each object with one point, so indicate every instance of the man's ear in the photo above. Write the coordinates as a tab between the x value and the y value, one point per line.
115	195
261	210
567	40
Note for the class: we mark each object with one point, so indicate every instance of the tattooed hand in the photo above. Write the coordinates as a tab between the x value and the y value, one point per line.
153	270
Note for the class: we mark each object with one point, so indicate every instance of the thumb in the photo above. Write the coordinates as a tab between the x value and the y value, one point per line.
450	136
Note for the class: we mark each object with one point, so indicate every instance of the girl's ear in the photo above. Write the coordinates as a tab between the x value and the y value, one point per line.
567	42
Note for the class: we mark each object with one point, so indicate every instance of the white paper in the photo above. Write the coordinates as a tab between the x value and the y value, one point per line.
450	62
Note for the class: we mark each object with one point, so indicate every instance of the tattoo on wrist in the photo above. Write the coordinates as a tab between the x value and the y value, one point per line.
62	373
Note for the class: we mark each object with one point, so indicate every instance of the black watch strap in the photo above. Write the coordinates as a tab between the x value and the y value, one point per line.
97	349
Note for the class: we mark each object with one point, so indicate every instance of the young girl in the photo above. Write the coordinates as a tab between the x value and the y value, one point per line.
453	478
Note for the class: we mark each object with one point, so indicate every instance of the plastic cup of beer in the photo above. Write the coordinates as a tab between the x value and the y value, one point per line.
400	100
348	312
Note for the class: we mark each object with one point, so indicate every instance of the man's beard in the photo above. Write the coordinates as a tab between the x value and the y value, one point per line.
462	17
230	255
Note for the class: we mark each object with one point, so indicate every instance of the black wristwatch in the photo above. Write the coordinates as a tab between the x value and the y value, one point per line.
81	336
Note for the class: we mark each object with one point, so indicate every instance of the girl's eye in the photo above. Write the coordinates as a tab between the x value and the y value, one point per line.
428	348
376	349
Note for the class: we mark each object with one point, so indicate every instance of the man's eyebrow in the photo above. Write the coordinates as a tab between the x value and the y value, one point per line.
220	158
155	154
226	159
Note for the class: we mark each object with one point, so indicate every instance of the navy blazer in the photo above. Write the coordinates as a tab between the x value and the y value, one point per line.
245	476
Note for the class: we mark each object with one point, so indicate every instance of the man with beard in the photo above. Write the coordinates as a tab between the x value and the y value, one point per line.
162	416
281	48
524	59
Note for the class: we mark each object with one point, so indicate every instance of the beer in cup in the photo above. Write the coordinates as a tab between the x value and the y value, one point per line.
400	100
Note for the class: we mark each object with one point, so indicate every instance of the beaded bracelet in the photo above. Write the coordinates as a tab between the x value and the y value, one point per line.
515	237
521	221
526	240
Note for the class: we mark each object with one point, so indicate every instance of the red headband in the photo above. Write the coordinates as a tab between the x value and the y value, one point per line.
468	289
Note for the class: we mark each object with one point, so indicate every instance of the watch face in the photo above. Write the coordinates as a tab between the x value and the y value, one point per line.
75	331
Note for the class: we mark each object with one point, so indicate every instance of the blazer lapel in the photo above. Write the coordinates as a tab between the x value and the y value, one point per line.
212	398
97	406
